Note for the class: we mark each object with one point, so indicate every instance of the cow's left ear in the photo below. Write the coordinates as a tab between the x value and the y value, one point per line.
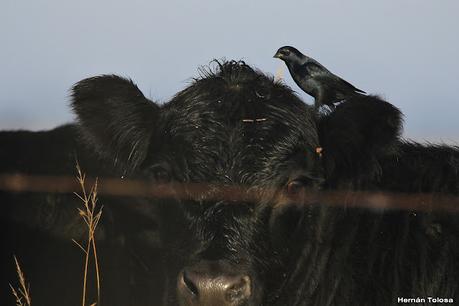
115	118
356	135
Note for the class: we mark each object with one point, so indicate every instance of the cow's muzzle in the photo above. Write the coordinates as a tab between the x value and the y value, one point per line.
211	283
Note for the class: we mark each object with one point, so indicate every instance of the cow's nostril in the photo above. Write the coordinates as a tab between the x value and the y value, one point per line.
212	283
189	284
239	291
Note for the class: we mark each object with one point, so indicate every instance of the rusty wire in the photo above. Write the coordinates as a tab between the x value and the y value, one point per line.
426	202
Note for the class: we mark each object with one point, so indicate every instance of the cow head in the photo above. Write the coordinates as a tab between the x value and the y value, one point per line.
249	151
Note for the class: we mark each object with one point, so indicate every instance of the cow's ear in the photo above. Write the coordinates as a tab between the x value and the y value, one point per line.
115	118
357	134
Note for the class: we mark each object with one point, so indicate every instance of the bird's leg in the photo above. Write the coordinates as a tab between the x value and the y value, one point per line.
321	98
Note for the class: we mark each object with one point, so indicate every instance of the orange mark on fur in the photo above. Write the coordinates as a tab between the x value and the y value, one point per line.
319	151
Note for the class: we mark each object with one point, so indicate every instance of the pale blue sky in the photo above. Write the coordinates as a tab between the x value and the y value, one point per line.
405	50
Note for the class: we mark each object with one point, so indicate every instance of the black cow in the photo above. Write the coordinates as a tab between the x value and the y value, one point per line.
251	226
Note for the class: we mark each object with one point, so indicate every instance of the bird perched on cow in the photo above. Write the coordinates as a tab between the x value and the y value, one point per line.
316	80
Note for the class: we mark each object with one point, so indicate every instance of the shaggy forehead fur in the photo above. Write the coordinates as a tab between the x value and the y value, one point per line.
235	123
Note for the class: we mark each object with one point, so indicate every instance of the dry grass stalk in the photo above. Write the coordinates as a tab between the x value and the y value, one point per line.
22	294
91	217
279	73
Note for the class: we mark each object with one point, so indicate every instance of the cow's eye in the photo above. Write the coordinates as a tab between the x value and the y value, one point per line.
295	187
159	174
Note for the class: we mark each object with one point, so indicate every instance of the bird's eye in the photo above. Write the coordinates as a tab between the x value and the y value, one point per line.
285	52
159	174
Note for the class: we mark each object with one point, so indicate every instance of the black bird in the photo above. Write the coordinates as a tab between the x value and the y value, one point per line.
314	79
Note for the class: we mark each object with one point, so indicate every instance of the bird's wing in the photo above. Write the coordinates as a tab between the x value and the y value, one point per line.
349	85
315	69
318	71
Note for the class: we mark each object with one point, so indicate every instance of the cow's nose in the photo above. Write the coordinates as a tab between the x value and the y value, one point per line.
204	288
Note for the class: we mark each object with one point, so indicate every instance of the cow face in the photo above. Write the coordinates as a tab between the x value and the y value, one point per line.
246	150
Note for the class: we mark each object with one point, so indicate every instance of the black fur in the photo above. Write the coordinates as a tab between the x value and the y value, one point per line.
356	137
236	127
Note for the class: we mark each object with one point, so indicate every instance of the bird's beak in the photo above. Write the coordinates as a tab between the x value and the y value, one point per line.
277	55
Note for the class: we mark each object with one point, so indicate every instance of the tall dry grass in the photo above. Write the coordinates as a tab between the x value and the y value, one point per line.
22	293
91	215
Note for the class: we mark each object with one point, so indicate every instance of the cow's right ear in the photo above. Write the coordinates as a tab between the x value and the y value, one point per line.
356	136
115	118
